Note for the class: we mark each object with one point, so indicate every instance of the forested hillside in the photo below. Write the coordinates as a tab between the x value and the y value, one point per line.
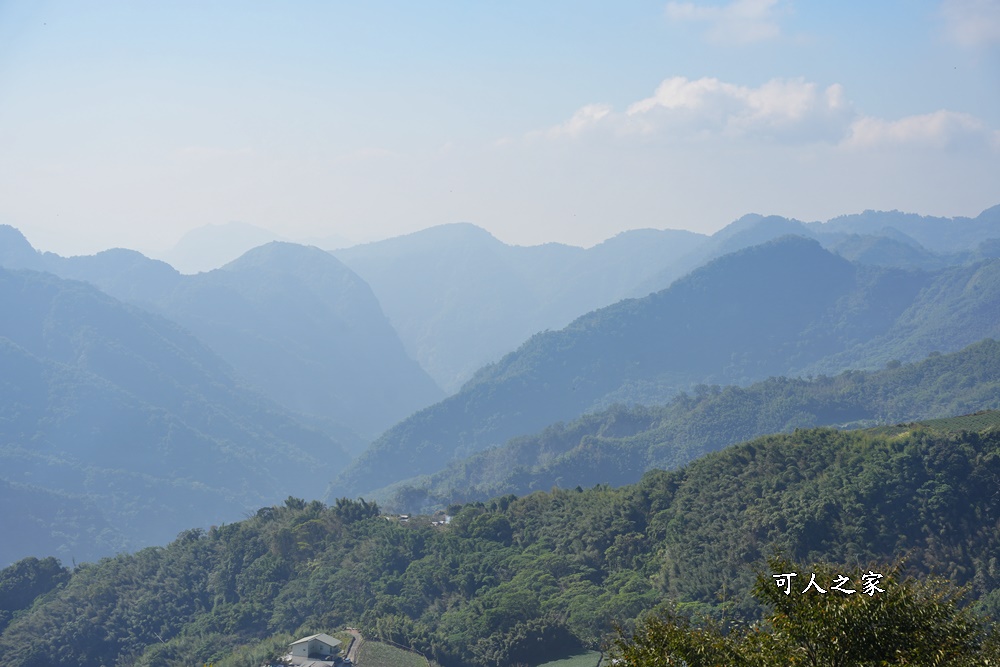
560	565
617	445
783	308
117	427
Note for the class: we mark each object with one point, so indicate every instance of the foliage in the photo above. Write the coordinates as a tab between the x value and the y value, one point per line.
350	511
908	622
540	576
24	581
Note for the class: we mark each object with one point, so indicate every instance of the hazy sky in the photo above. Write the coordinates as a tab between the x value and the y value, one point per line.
129	123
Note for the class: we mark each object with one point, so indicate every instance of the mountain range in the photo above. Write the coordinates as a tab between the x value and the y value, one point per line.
303	357
786	307
291	320
461	298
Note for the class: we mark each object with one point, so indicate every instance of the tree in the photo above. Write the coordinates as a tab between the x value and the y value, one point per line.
350	511
824	617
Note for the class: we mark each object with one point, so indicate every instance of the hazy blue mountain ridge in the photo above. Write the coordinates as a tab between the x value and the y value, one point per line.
104	400
292	320
936	233
213	246
461	298
879	238
305	328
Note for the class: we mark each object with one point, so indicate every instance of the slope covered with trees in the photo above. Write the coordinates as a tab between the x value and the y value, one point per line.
910	622
783	308
616	446
563	565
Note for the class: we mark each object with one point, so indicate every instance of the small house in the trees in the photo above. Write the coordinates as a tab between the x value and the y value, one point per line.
317	647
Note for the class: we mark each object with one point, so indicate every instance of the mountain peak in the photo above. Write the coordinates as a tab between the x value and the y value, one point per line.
16	252
288	258
211	246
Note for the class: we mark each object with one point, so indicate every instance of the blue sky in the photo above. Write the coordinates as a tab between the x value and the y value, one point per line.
128	123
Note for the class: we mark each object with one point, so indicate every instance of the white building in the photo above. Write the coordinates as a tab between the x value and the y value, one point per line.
315	646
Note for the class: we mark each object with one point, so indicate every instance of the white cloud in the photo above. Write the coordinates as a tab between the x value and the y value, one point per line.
938	130
781	111
683	108
585	117
739	22
779	103
972	23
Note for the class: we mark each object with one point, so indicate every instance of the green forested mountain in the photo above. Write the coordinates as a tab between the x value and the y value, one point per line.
958	307
560	566
290	319
616	446
460	298
782	308
119	428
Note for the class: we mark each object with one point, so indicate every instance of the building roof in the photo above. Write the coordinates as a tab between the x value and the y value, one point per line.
321	637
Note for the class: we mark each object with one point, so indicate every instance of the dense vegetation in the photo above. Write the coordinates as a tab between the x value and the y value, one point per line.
783	308
564	565
617	445
909	622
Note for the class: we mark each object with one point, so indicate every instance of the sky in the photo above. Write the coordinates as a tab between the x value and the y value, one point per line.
127	124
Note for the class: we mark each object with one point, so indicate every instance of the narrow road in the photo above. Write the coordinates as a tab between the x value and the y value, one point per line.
352	653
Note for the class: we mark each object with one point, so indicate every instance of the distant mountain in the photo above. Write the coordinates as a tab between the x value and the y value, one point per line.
616	446
892	251
937	234
292	320
212	246
105	402
16	252
776	309
877	238
306	329
46	521
460	298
